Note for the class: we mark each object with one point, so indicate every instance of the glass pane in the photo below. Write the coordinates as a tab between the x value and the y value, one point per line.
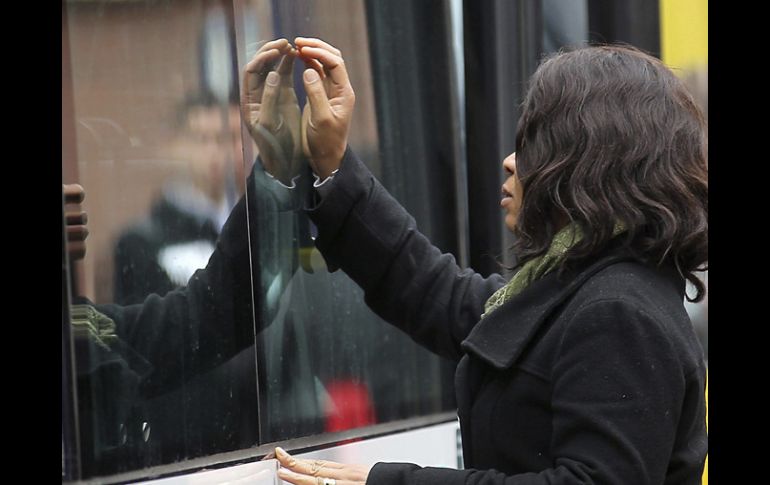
327	363
163	305
565	24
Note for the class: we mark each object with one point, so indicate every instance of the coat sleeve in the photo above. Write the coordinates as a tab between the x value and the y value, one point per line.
406	280
618	389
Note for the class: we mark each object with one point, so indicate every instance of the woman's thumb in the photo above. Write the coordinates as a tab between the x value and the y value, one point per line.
316	95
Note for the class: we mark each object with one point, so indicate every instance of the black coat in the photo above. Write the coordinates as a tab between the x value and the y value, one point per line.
598	378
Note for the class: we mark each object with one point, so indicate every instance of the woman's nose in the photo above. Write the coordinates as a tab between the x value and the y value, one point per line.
509	163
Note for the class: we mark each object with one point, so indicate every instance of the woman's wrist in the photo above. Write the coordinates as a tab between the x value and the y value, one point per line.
324	166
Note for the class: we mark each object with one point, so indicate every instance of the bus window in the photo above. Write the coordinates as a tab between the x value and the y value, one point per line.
565	24
327	363
164	352
204	321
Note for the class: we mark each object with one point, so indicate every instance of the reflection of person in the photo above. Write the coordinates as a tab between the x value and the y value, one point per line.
564	24
271	110
75	221
584	367
163	250
181	362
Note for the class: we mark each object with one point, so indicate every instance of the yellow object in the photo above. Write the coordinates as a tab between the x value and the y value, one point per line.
684	33
705	479
685	47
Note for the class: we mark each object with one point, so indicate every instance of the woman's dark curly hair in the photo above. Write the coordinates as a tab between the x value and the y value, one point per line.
609	134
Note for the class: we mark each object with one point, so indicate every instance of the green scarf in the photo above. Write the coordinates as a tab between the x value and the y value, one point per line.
93	325
535	269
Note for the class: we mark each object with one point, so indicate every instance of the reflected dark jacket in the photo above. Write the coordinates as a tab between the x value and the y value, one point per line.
138	271
187	358
594	379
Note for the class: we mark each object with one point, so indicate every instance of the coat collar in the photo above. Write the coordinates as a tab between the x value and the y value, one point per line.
497	341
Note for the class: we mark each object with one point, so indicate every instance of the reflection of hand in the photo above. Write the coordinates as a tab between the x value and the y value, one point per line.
327	115
313	472
75	220
271	110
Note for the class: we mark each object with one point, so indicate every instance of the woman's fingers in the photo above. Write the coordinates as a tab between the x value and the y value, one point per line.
299	471
309	48
314	472
295	478
298	478
298	465
315	65
332	63
307	467
313	42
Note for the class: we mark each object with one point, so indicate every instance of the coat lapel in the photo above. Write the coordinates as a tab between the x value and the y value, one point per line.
501	337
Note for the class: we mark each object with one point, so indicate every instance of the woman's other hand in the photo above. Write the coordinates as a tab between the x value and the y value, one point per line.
319	472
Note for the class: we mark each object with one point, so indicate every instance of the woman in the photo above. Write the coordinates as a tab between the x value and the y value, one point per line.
584	367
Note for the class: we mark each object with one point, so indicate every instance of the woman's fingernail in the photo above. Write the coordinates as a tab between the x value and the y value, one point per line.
311	75
272	78
280	452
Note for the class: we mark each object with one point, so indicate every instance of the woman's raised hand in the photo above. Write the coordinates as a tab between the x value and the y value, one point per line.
329	110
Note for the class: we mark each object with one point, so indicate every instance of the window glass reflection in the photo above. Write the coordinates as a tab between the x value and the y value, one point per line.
565	24
327	363
162	310
203	317
162	250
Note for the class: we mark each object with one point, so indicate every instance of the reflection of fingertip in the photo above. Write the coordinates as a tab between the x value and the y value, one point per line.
269	456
